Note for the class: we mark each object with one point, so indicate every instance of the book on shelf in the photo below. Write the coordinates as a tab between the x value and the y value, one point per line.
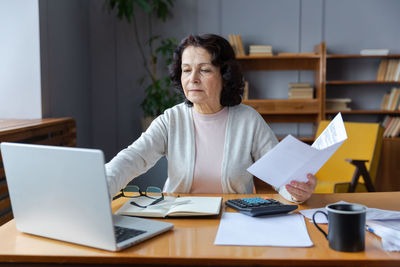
374	52
388	123
264	48
387	126
385	101
301	95
392	126
300	91
380	76
246	90
395	100
388	70
396	130
260	50
390	101
338	103
261	54
296	85
172	207
232	42
237	44
385	121
240	44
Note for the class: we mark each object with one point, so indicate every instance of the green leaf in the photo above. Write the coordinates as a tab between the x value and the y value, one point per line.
153	38
145	5
161	8
159	95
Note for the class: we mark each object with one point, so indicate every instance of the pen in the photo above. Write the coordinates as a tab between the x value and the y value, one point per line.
370	229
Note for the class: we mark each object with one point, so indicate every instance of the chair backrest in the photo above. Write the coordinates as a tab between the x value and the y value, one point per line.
364	142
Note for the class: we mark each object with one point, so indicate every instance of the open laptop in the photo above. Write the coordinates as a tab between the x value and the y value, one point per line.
61	193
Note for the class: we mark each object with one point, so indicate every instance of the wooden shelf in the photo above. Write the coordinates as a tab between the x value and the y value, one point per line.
284	106
256	63
316	56
305	139
342	56
366	112
361	82
394	139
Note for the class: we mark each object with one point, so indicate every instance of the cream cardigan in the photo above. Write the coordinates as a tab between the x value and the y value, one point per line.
171	134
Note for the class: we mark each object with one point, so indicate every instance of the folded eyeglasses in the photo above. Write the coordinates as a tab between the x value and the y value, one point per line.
133	191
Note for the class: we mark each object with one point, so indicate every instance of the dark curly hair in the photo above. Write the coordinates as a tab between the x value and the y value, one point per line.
222	56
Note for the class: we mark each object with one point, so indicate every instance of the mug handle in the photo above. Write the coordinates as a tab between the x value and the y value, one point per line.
316	225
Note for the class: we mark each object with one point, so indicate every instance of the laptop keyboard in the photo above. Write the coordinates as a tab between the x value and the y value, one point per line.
122	233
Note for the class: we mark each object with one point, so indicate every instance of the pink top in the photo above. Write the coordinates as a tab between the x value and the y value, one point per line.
209	132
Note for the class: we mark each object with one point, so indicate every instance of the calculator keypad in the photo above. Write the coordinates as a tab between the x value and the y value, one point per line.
256	206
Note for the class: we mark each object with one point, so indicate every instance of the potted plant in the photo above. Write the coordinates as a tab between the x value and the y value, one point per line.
159	95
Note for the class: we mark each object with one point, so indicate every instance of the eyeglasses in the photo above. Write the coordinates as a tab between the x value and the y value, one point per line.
133	191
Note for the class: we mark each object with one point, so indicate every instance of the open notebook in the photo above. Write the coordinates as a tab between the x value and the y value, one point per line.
172	207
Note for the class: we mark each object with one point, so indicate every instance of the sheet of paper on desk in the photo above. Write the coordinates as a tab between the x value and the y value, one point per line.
372	214
388	231
287	230
292	159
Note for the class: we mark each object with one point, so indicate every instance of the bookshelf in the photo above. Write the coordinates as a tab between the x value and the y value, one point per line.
359	84
390	155
314	110
289	110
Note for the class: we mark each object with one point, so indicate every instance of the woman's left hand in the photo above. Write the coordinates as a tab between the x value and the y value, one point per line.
301	191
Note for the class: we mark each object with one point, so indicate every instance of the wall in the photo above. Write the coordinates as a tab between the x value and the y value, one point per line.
65	55
20	85
101	54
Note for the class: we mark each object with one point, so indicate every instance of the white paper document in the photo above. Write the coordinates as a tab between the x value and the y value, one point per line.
388	231
373	214
287	230
292	159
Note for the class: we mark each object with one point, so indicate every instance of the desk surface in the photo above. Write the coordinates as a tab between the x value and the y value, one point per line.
192	243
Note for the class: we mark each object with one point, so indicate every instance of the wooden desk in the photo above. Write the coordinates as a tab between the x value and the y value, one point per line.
57	132
192	243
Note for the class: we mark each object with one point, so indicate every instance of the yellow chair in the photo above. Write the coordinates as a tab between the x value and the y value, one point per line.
358	156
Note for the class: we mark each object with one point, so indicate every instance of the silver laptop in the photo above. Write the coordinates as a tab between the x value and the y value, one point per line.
61	193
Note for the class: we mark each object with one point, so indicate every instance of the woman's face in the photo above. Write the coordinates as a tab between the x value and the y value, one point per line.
201	80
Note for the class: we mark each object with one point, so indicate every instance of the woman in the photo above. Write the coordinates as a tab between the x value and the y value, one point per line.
211	139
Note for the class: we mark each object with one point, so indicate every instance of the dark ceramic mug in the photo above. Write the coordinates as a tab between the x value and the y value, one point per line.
346	226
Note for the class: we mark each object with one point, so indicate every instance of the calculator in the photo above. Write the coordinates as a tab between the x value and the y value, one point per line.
257	206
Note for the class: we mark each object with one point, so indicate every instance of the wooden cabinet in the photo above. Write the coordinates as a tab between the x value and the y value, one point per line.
58	132
388	176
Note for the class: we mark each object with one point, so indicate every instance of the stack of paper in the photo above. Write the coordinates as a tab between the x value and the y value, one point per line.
374	52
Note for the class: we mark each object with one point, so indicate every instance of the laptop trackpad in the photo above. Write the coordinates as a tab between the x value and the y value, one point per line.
142	228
